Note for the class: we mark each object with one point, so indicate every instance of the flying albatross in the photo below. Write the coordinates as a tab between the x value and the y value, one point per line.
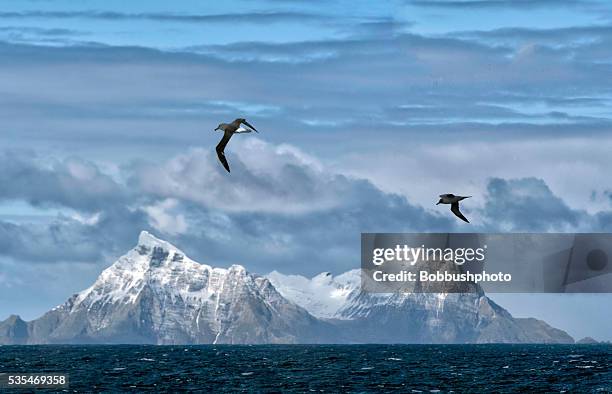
454	201
230	129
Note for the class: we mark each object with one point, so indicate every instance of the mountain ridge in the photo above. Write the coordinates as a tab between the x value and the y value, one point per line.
156	294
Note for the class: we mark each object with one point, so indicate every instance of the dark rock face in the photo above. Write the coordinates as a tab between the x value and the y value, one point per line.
156	295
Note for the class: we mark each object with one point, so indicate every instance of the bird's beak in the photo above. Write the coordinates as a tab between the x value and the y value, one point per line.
217	128
439	202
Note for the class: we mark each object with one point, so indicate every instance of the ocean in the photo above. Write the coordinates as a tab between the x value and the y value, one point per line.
320	368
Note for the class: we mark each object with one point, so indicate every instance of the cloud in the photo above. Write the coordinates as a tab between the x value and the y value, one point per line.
265	178
19	30
63	239
163	218
528	204
250	17
70	183
492	4
560	34
42	36
576	44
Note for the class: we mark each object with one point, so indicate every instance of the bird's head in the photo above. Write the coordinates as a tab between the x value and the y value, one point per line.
439	202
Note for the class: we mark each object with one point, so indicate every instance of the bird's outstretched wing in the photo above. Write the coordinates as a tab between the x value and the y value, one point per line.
221	149
243	130
243	121
457	212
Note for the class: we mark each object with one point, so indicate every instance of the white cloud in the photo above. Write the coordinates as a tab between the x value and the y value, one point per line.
264	178
90	220
162	217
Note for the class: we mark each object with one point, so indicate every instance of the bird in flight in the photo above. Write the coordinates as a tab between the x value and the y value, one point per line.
229	129
454	201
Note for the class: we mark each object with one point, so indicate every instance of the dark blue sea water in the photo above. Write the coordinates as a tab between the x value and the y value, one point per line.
323	368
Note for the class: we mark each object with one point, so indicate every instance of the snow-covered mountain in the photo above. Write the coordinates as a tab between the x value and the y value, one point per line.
156	294
409	317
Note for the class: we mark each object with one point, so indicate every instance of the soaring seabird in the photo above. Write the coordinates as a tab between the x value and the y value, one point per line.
454	201
230	129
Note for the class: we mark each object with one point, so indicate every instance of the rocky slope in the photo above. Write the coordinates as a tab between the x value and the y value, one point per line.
410	318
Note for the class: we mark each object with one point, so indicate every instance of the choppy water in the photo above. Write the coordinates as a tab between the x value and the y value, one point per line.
323	368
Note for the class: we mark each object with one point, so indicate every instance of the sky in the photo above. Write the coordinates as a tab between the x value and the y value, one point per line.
367	111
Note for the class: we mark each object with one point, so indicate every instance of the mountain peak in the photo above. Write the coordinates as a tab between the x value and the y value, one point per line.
237	268
148	240
14	318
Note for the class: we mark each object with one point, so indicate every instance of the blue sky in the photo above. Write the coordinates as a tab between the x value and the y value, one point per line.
367	111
